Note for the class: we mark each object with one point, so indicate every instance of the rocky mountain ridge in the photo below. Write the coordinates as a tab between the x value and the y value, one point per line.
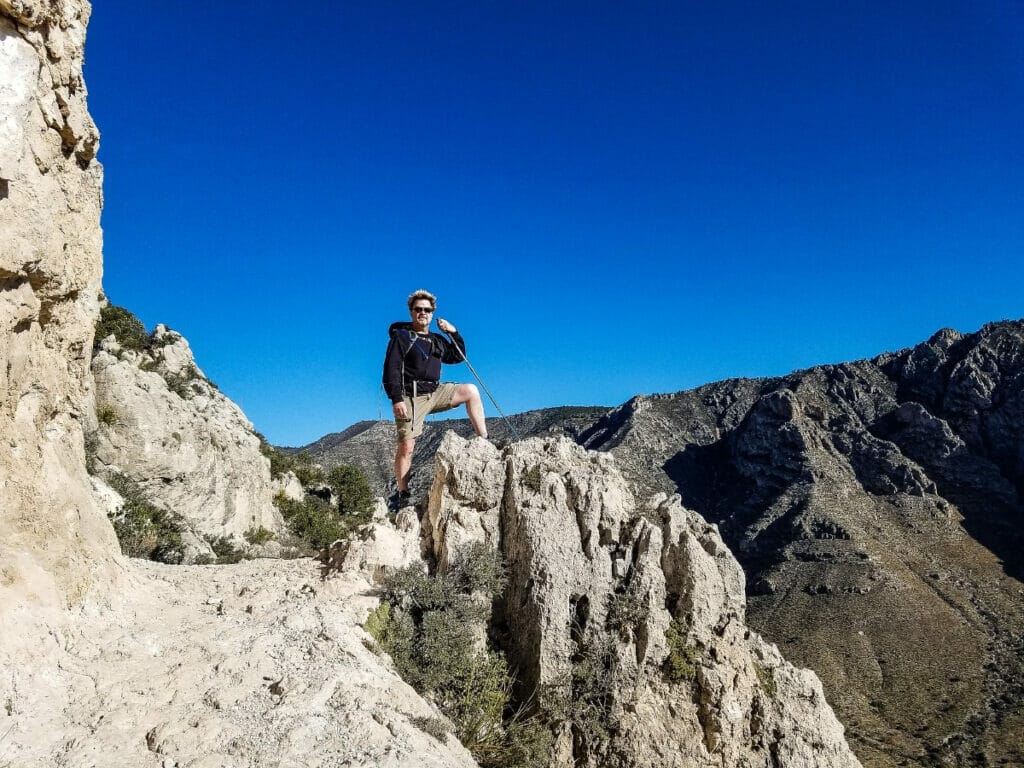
875	507
111	661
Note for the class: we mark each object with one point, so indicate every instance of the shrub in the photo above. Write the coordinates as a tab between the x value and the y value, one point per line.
432	726
126	327
258	536
683	659
224	549
532	479
92	442
106	415
426	624
480	569
308	473
181	383
280	462
626	611
313	521
767	679
589	708
352	491
143	529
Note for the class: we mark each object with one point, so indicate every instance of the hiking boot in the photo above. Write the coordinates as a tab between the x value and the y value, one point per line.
398	500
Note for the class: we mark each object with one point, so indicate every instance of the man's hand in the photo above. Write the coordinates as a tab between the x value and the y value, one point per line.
400	411
445	326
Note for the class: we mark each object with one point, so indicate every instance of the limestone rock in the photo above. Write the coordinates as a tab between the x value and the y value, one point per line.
381	547
876	507
56	547
190	448
254	665
604	593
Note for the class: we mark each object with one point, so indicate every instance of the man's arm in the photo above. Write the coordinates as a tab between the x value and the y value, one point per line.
451	353
392	378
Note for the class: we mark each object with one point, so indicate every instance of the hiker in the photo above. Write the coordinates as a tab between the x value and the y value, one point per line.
412	373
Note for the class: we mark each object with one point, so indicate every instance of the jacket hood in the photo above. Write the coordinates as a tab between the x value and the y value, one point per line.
401	325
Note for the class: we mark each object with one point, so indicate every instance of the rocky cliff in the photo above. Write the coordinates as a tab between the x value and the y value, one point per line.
631	614
190	449
56	546
876	508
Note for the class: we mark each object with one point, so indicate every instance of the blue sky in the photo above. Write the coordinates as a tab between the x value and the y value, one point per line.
608	198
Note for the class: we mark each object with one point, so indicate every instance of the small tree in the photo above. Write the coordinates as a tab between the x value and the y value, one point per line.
352	491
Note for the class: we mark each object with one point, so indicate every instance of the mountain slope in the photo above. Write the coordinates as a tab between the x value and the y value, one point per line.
876	509
370	445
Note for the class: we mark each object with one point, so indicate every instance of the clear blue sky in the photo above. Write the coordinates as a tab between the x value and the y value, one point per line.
608	198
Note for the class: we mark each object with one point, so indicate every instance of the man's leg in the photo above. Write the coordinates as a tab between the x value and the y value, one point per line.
470	395
403	462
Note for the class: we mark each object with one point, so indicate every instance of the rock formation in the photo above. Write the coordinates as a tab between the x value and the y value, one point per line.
115	663
876	508
633	616
163	424
56	546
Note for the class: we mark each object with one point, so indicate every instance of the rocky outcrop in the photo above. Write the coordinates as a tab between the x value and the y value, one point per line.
250	665
163	424
56	546
632	616
876	507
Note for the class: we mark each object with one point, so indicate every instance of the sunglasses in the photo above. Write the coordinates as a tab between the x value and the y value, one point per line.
426	310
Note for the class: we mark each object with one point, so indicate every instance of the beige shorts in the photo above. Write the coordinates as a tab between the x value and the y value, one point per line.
422	406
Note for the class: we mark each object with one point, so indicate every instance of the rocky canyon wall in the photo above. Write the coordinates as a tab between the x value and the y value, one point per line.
55	545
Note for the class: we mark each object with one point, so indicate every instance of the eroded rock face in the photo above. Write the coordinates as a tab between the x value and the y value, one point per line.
876	507
56	546
190	448
604	593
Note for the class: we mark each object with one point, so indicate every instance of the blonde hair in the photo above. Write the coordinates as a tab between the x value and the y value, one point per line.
421	294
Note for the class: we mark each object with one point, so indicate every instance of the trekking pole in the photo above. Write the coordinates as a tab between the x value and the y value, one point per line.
484	387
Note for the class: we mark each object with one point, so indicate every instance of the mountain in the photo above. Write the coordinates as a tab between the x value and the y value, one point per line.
370	445
876	508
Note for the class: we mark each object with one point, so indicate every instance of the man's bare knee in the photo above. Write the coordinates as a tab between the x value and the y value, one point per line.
466	393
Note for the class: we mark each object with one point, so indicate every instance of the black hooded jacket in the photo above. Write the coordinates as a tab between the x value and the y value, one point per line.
415	357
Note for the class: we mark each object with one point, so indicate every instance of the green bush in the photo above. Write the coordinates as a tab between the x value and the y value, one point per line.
106	415
258	536
432	726
626	611
352	491
589	705
280	462
426	624
181	383
308	473
480	569
683	659
126	327
143	529
313	521
224	549
767	679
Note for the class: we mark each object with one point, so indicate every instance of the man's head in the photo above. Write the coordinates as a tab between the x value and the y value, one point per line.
421	309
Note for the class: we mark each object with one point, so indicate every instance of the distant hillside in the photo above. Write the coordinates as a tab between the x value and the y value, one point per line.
370	445
876	507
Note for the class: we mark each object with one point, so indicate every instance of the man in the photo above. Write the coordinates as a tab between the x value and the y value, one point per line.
412	373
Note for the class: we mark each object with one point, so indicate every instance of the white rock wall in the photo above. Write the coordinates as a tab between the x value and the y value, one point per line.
57	549
195	455
576	543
